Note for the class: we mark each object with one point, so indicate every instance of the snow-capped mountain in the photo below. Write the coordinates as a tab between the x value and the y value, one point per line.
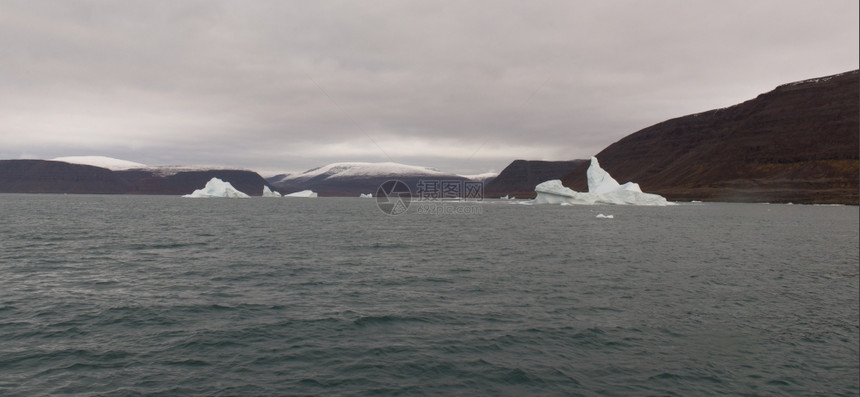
168	170
485	177
101	161
358	169
354	178
106	175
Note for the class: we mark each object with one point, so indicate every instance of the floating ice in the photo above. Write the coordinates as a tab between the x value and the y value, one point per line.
269	193
366	195
303	193
217	188
553	192
602	189
599	181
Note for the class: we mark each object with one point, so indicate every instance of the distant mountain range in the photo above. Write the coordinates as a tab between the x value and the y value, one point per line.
105	175
45	176
798	143
102	161
353	179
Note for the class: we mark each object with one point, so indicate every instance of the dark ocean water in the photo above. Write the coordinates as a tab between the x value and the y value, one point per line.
131	295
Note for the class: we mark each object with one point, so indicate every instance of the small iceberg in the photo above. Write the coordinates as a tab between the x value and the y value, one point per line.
602	189
217	188
365	195
269	193
303	193
605	216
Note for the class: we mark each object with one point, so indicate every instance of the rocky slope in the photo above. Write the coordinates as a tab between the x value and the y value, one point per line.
798	143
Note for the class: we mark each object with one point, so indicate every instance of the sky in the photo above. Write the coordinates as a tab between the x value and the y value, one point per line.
463	86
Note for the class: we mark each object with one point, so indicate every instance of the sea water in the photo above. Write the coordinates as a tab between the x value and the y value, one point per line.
138	295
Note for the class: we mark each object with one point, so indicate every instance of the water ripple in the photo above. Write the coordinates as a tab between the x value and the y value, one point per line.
158	295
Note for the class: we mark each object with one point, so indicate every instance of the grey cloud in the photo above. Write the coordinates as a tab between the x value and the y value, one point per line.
256	84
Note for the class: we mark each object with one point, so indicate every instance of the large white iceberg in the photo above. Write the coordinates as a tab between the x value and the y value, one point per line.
602	189
217	188
303	193
269	193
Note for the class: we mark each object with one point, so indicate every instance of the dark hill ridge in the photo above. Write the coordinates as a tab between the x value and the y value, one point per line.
520	177
798	143
43	176
144	182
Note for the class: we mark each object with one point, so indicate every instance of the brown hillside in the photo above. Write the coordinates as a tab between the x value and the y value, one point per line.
520	177
798	143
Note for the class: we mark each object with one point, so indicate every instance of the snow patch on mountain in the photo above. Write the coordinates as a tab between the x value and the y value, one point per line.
481	177
818	79
114	164
359	169
168	170
101	161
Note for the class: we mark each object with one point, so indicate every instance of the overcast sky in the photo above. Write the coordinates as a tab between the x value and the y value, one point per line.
464	86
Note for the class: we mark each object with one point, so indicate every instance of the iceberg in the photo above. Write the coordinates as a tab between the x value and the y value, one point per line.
553	192
269	193
365	195
602	189
303	193
217	188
